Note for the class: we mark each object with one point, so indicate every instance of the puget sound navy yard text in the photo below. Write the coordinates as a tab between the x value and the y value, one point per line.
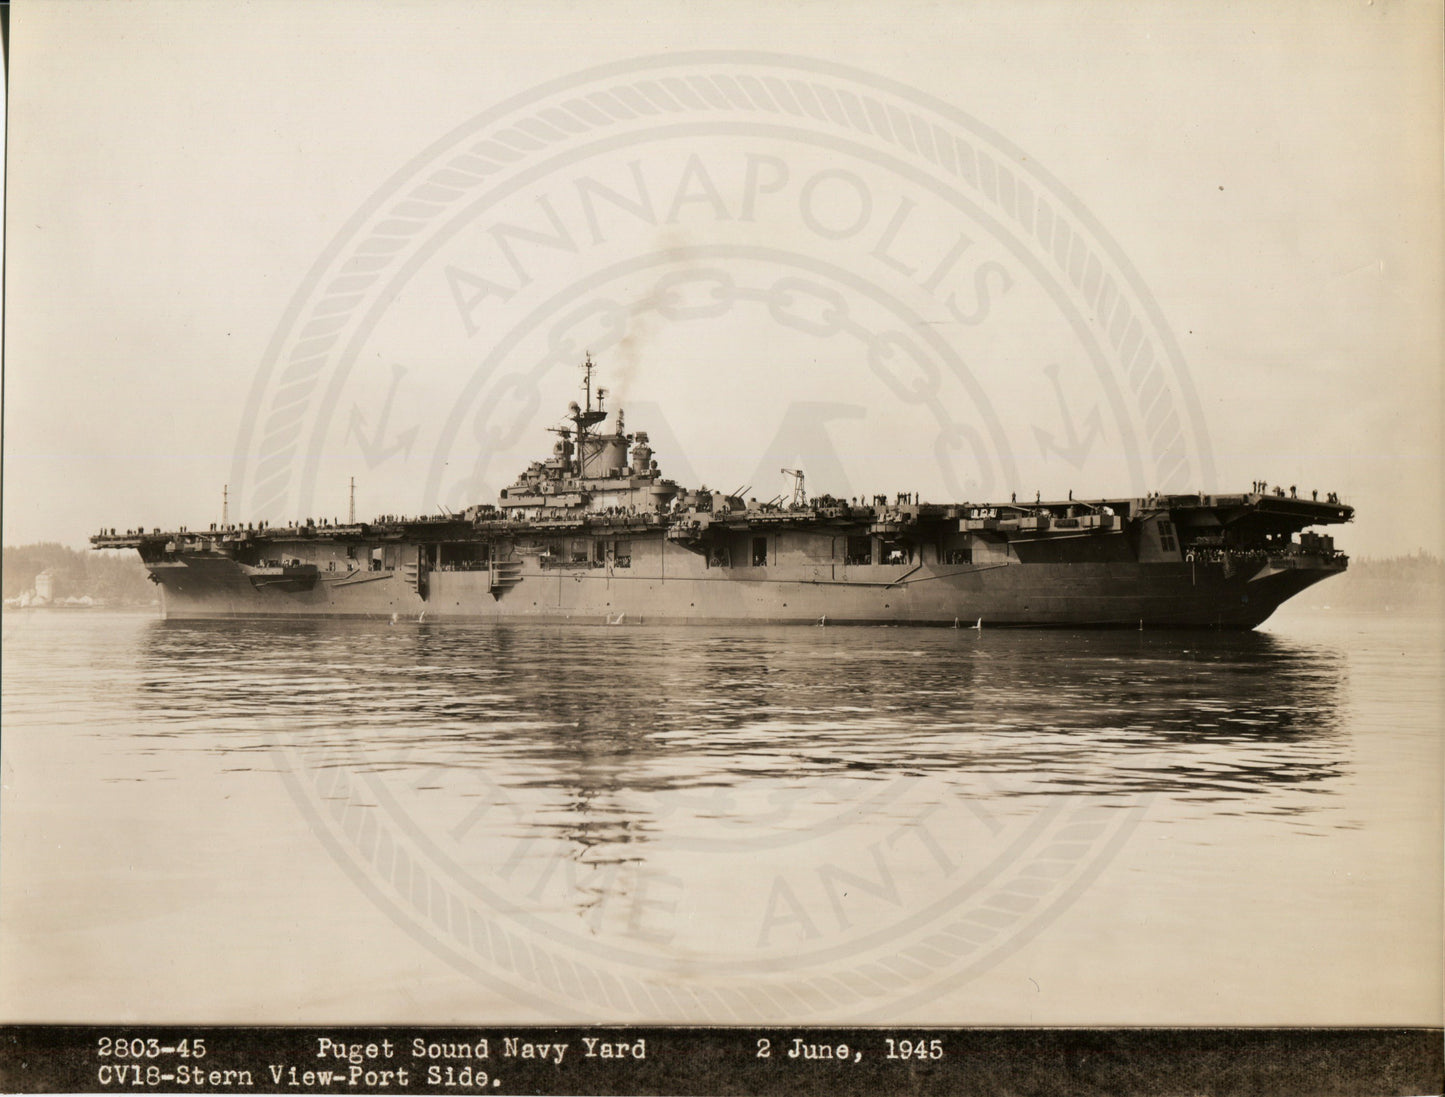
458	1061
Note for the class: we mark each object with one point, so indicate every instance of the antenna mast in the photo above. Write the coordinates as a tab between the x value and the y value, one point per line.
587	416
351	510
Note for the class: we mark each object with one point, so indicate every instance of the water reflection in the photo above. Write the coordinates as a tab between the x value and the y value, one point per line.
712	806
610	719
723	826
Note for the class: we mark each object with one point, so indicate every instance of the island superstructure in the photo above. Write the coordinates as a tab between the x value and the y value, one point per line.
596	533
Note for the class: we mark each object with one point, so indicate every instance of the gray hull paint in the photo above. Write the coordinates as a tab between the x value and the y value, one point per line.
682	590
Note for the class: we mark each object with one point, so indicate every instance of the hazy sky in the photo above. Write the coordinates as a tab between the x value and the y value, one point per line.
1267	173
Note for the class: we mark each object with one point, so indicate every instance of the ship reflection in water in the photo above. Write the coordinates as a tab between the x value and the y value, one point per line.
451	823
656	822
616	720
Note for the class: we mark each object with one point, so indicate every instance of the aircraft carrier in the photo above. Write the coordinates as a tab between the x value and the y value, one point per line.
595	533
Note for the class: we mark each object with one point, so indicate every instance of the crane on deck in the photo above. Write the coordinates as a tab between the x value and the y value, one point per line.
800	497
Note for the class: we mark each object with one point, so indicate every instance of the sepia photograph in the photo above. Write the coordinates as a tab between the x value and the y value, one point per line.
808	547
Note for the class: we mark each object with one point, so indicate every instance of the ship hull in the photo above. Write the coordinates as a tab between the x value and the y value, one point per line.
677	589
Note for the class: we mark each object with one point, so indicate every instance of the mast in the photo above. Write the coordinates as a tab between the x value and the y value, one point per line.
587	417
351	510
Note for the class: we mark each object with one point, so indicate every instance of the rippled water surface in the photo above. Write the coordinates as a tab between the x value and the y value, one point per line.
442	822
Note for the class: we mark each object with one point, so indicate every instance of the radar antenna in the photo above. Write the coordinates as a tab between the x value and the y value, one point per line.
800	497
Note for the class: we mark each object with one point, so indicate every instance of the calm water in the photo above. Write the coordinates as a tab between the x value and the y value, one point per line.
438	822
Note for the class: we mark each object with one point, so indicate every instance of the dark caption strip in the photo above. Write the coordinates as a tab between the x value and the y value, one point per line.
684	1061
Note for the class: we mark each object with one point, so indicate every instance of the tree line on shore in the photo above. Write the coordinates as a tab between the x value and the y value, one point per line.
108	577
1414	583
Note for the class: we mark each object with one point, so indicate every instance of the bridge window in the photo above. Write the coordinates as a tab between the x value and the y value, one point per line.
1166	536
